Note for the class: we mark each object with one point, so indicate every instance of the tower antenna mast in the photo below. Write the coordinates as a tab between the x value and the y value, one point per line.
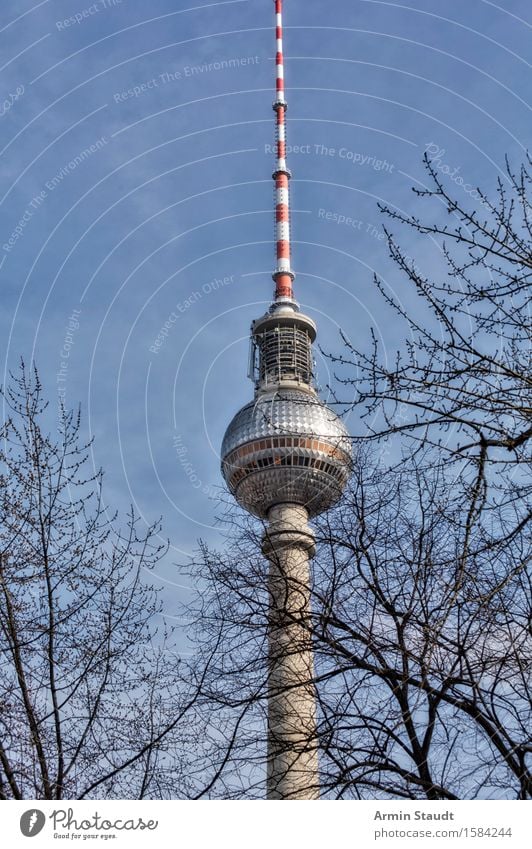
283	274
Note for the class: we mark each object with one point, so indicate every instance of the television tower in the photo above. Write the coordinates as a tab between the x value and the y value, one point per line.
286	458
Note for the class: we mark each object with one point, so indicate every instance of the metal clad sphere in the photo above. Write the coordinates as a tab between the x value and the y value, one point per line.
286	446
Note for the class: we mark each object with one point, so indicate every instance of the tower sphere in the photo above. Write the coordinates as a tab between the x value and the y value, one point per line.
286	446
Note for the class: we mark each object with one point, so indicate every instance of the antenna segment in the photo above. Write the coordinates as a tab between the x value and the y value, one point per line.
283	274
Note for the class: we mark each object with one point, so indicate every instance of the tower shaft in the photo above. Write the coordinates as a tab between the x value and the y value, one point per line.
292	741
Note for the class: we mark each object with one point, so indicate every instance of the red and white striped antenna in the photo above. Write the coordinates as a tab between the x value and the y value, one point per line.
283	274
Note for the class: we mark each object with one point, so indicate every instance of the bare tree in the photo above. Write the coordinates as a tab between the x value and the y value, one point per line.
421	592
427	647
422	661
90	698
463	379
456	404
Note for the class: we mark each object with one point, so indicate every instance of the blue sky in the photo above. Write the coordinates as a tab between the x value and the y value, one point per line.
136	184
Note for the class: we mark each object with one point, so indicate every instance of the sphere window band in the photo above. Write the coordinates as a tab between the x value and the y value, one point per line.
285	442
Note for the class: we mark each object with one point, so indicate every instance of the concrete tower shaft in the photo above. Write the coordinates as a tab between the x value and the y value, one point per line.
293	771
